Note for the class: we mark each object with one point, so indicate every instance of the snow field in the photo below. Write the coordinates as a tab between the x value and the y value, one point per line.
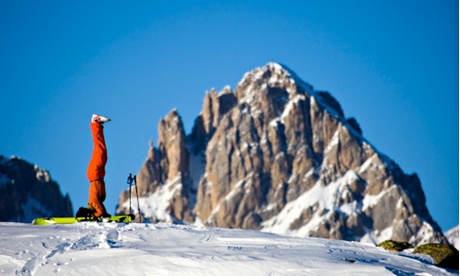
92	248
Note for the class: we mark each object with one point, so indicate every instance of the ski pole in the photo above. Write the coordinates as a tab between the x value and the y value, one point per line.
137	194
130	182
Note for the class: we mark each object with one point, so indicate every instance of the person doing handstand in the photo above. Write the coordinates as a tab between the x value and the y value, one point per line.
96	167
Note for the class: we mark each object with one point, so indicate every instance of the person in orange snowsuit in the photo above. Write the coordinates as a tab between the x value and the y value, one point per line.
96	167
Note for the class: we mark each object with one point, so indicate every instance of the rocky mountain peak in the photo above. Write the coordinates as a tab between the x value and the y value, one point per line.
278	156
272	75
269	88
28	192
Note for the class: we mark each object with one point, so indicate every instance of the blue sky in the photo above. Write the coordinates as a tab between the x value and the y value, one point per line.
393	65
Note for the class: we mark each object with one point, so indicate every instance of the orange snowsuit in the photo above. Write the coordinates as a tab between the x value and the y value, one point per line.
96	170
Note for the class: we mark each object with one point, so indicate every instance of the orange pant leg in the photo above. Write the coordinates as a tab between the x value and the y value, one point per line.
97	196
96	167
96	170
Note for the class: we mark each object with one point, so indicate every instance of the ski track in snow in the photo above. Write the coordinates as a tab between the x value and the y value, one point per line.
92	248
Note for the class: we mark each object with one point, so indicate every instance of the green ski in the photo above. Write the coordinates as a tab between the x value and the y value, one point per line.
72	220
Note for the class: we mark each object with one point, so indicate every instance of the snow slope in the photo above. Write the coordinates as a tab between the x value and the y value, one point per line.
91	248
452	236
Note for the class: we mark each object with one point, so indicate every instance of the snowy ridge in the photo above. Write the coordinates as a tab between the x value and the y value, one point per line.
91	248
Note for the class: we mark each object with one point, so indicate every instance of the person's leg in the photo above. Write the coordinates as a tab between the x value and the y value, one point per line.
96	167
97	196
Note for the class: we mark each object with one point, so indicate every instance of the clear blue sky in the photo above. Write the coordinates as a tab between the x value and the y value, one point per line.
393	65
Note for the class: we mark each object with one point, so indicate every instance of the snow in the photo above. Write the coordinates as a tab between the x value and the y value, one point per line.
92	248
155	206
290	106
42	175
369	163
371	200
374	236
334	141
281	76
197	169
452	236
293	76
325	197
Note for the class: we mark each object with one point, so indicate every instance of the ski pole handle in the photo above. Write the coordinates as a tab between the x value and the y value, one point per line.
130	179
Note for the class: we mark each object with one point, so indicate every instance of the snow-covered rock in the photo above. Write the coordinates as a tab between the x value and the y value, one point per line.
28	192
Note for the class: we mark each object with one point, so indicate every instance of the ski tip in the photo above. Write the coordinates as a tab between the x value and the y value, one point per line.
42	221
